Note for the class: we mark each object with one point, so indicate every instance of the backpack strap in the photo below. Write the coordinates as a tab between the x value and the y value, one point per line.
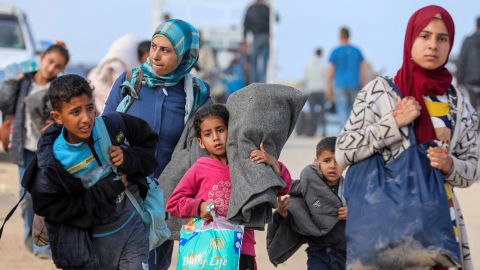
9	215
105	143
130	95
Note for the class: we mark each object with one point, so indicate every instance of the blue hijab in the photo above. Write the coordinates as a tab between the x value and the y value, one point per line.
186	42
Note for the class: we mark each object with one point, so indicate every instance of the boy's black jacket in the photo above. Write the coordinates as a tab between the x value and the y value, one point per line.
61	198
69	209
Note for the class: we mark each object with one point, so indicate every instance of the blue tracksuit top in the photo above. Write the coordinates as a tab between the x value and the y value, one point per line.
162	109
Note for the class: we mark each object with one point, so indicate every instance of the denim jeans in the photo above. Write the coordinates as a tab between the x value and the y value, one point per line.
126	249
329	259
26	205
161	257
259	58
344	98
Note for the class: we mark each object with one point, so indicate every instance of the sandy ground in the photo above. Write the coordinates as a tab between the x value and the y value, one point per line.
297	153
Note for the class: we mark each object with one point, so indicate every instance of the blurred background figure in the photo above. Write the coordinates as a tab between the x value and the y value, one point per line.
121	56
26	107
468	68
257	22
314	84
344	74
143	50
206	64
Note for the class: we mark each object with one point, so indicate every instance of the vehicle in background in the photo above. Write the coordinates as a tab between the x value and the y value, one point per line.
17	45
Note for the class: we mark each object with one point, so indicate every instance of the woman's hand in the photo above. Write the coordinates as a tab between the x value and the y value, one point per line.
406	111
261	156
204	213
283	206
116	155
342	213
440	159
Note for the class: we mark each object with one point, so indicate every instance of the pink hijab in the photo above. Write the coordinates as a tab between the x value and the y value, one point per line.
412	80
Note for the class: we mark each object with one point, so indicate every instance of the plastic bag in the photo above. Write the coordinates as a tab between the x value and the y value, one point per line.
210	245
398	214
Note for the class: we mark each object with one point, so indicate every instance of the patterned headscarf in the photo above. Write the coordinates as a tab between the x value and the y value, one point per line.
186	42
412	80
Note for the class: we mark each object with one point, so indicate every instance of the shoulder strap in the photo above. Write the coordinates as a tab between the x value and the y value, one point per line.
9	215
105	143
131	94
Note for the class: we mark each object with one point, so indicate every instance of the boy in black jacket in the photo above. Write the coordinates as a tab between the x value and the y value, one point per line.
91	223
314	214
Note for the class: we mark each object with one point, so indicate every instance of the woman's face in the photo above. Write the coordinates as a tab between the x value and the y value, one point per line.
432	45
162	56
51	64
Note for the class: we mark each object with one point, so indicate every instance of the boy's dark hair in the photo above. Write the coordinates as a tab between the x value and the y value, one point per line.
217	110
319	51
143	48
61	49
327	143
65	87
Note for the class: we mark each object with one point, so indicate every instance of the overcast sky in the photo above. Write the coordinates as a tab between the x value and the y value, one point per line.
377	26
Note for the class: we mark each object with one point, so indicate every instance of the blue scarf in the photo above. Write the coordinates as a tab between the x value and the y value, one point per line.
186	42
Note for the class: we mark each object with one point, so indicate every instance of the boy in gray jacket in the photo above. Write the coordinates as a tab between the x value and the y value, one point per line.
314	214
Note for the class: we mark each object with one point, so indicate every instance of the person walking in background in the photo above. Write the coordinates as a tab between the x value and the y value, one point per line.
344	73
121	56
315	84
143	50
468	69
169	96
257	22
26	101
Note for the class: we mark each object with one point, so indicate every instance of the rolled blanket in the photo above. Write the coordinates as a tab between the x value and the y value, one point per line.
259	113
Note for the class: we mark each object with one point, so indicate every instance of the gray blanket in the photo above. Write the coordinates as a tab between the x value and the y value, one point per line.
312	213
185	154
258	113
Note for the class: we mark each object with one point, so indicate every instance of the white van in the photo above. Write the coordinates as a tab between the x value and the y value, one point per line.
16	41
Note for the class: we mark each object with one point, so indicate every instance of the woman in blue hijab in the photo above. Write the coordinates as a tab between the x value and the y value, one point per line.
167	98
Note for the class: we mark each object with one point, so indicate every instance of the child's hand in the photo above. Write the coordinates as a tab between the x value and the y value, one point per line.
204	213
342	213
261	156
116	155
283	206
440	159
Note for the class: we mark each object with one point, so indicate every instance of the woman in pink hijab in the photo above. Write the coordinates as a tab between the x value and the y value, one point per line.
379	121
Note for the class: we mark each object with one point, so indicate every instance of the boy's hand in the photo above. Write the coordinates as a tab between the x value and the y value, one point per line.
204	213
342	213
261	156
440	159
116	155
283	206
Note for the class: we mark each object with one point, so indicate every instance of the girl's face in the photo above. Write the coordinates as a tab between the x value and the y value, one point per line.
432	45
329	167
162	56
51	64
213	137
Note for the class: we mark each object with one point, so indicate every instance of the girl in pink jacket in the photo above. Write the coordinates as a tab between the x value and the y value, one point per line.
208	180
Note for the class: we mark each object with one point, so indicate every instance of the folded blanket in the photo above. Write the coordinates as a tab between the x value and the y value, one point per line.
258	113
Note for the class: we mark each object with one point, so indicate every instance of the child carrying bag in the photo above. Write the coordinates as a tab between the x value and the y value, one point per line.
398	214
210	245
152	210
